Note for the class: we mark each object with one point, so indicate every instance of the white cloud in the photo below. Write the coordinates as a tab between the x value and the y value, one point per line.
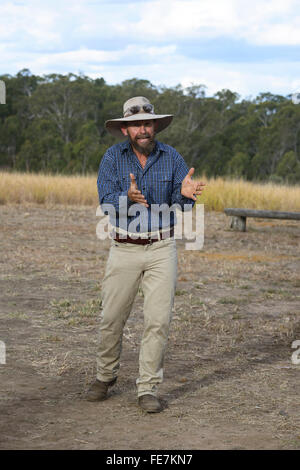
262	22
126	39
78	58
245	79
29	22
265	22
259	21
162	19
85	59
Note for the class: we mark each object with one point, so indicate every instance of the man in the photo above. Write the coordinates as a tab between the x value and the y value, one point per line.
145	173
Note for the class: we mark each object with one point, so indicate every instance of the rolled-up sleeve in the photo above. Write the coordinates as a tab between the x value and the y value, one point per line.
109	190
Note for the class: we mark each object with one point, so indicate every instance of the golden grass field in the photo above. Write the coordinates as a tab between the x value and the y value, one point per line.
20	188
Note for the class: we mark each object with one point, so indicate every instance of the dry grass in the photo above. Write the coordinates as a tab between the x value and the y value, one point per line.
16	188
221	193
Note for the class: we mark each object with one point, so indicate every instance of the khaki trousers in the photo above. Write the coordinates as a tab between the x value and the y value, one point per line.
154	268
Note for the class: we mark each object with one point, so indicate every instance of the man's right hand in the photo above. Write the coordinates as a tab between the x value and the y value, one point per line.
135	194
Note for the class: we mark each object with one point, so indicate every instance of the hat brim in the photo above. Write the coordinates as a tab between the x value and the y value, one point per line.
113	126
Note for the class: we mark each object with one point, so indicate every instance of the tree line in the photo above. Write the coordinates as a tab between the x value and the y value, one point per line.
55	124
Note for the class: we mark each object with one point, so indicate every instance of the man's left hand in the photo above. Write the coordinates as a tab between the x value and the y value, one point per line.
190	188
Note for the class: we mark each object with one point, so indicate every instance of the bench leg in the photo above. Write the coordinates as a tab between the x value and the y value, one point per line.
238	223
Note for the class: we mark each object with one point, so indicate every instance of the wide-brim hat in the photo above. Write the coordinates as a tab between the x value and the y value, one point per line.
138	108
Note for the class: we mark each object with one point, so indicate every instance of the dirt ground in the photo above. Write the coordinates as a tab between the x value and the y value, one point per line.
229	379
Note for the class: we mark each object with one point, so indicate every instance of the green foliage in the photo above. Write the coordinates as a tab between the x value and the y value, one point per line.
238	165
288	168
55	123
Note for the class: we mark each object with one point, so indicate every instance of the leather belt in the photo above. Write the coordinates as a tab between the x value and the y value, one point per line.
145	240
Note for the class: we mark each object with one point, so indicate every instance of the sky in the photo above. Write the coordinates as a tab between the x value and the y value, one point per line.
246	46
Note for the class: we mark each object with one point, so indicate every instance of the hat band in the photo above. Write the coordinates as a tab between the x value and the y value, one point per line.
146	108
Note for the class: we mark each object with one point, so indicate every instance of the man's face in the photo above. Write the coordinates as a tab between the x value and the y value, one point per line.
141	135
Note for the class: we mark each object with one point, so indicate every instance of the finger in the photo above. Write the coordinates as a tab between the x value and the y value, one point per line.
143	203
187	178
140	201
198	192
140	198
190	195
191	171
138	193
132	178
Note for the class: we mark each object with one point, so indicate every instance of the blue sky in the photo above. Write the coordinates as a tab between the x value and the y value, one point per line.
246	46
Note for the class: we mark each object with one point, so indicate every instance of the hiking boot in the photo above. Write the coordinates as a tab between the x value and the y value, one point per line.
150	403
98	390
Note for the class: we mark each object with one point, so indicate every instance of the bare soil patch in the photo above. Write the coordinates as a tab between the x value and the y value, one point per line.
229	379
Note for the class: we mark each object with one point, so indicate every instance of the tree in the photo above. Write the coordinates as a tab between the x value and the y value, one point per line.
86	148
288	168
238	165
56	123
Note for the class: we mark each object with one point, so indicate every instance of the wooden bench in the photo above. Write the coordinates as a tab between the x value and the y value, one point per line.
239	216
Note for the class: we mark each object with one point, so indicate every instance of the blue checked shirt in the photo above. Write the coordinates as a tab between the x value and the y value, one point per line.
159	181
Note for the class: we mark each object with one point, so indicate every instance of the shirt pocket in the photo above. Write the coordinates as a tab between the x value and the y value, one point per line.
164	189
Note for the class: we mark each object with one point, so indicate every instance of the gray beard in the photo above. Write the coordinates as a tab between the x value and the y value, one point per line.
146	150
